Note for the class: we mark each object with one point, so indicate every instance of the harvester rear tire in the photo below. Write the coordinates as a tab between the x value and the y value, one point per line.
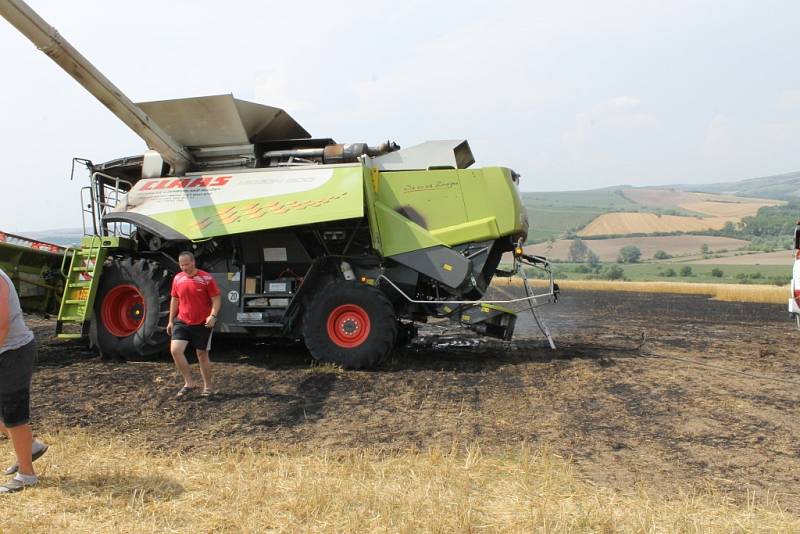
350	324
131	309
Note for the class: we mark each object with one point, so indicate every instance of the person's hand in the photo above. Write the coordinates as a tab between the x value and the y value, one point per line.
169	328
211	320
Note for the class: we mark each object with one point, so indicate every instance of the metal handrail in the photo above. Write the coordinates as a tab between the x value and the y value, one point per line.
111	196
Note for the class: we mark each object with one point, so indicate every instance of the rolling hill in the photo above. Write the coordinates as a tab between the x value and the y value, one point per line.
780	186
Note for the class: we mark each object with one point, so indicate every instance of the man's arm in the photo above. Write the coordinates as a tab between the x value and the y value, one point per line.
216	304
5	312
173	311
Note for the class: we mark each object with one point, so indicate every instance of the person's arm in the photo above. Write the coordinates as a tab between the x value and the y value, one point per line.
216	304
173	311
5	311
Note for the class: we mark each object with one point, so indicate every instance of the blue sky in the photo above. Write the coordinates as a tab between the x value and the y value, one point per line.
576	95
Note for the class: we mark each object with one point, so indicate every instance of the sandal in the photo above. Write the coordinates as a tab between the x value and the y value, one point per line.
34	456
207	393
14	485
184	392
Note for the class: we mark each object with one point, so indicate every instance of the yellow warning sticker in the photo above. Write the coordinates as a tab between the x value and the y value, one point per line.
465	318
80	294
447	267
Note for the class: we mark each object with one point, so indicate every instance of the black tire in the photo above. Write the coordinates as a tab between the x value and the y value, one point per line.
337	317
122	335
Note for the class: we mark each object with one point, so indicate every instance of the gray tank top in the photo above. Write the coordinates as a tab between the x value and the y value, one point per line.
19	335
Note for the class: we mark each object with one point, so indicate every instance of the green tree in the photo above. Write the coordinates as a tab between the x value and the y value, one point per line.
613	272
661	255
592	259
717	272
704	249
729	228
577	250
686	271
669	272
629	254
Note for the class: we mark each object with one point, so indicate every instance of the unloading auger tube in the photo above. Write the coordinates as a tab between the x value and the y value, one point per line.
530	298
48	40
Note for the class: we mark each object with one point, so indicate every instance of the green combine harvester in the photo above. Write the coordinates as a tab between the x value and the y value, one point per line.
37	270
345	246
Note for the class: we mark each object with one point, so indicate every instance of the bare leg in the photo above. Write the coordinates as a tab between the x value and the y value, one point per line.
205	368
177	347
22	439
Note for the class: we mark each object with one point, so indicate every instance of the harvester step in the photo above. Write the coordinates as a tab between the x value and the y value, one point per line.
72	319
70	336
75	301
83	283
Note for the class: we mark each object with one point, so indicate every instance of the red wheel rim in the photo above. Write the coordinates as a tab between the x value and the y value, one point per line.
348	326
123	310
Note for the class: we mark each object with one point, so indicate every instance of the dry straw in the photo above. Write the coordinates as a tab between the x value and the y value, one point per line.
109	483
730	292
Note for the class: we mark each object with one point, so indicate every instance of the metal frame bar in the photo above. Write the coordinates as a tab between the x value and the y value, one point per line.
530	298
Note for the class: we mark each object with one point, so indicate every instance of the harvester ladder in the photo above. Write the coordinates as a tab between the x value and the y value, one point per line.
82	280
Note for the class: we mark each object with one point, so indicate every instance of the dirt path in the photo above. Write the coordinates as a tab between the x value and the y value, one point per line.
676	414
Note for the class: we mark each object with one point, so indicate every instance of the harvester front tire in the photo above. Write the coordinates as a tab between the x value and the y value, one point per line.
131	309
350	324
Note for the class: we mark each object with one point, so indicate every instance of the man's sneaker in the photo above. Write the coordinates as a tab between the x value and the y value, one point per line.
39	449
18	484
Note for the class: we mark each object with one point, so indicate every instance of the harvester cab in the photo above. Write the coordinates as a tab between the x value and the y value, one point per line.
345	246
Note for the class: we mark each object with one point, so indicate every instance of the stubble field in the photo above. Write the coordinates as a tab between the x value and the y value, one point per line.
657	411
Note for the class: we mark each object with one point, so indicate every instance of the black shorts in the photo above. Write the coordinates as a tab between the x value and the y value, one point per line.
198	335
16	371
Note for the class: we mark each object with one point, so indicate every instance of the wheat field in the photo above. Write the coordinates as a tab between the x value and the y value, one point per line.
648	223
765	294
102	483
730	206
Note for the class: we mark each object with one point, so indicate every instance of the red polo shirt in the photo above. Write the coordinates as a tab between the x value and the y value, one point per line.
194	296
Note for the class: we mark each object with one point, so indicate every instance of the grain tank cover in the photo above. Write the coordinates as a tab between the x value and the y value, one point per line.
452	154
221	120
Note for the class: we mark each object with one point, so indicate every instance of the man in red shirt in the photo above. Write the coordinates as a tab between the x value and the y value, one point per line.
193	313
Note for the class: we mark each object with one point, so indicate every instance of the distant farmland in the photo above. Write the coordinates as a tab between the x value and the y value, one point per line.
629	210
781	257
560	213
649	223
608	249
547	222
701	203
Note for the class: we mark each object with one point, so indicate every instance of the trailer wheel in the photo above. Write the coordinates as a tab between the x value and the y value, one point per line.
131	309
351	324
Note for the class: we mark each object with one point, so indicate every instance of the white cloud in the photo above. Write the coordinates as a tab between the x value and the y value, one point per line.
275	88
616	115
718	140
789	100
624	102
